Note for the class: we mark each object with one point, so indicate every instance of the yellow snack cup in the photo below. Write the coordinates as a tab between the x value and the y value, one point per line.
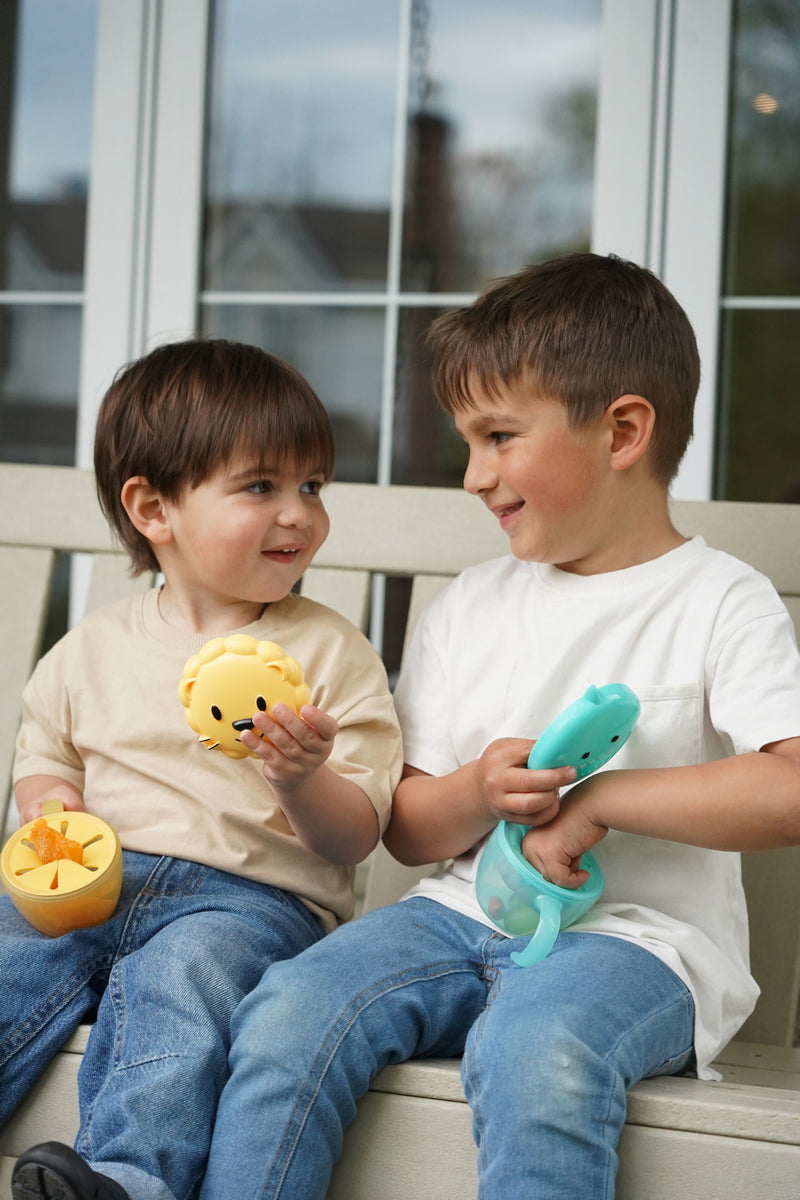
63	895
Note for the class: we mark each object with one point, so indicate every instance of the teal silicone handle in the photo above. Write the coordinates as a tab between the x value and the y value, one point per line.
541	943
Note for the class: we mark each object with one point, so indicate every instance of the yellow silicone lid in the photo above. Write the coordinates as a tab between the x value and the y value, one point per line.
62	895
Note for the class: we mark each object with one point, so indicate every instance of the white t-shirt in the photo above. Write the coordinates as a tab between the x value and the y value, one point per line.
708	647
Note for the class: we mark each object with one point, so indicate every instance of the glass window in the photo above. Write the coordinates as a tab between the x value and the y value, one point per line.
299	169
339	350
368	165
46	82
759	421
500	140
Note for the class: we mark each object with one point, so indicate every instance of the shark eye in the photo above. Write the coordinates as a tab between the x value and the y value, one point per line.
261	704
215	712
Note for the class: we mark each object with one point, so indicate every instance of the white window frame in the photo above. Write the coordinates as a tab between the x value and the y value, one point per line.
662	143
144	213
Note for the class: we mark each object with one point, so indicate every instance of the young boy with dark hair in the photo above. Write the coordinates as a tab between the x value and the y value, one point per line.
210	459
572	385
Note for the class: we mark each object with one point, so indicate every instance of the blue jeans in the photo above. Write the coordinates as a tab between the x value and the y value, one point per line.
163	975
548	1051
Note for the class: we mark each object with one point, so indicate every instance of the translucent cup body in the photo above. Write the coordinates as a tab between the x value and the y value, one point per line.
520	900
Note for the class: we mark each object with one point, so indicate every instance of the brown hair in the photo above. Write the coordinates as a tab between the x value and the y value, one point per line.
583	329
186	409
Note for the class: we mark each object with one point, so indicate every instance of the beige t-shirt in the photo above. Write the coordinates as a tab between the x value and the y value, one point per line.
101	711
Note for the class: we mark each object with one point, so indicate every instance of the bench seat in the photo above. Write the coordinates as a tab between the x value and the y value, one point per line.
738	1139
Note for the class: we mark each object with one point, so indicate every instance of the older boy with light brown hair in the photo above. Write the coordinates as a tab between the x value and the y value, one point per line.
572	385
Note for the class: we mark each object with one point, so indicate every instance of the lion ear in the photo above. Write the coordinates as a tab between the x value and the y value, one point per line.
185	691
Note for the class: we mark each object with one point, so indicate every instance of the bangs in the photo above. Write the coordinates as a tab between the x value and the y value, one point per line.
266	416
285	434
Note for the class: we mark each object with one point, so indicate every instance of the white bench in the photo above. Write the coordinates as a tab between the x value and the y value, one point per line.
734	1140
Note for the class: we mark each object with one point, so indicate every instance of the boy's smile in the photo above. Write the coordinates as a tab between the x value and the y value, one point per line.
545	481
240	540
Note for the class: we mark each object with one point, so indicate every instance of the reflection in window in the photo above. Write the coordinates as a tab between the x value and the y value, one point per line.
501	131
46	81
763	250
759	423
364	157
300	145
39	382
760	437
427	451
339	350
45	114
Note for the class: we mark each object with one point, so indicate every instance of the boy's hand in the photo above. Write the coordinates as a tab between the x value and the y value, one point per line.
512	792
291	747
330	814
555	849
32	792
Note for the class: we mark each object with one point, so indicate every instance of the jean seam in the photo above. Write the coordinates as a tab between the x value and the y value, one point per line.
264	909
55	1003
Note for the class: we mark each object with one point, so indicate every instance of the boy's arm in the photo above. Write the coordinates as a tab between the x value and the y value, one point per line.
440	817
31	792
332	816
745	802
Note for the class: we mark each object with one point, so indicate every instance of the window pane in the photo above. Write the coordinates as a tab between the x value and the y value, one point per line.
339	350
39	352
760	450
758	453
299	155
426	450
46	85
763	250
500	158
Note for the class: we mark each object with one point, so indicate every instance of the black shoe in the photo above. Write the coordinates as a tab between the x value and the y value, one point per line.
52	1171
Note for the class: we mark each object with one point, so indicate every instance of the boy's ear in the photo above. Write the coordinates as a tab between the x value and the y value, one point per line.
146	510
632	420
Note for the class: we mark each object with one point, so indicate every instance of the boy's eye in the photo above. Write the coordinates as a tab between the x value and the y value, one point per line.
259	487
312	487
498	437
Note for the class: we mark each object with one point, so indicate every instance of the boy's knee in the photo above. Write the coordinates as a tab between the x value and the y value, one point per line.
288	1001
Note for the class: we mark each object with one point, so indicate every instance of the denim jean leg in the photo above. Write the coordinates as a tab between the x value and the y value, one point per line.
157	1057
547	1065
48	986
401	982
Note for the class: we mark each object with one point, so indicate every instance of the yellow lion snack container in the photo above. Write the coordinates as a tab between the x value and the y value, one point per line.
232	678
59	896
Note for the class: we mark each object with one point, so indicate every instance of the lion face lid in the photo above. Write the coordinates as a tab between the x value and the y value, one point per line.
232	678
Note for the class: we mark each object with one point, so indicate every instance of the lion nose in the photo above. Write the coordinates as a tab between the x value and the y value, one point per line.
240	726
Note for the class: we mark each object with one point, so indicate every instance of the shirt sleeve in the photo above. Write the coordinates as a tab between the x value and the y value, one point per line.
753	673
44	743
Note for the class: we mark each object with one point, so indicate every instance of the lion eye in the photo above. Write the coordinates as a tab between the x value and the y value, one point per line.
215	712
261	704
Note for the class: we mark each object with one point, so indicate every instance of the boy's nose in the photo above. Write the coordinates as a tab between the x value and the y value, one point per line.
294	513
478	477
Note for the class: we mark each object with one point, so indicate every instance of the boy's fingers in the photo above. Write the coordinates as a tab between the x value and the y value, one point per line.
542	780
321	722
